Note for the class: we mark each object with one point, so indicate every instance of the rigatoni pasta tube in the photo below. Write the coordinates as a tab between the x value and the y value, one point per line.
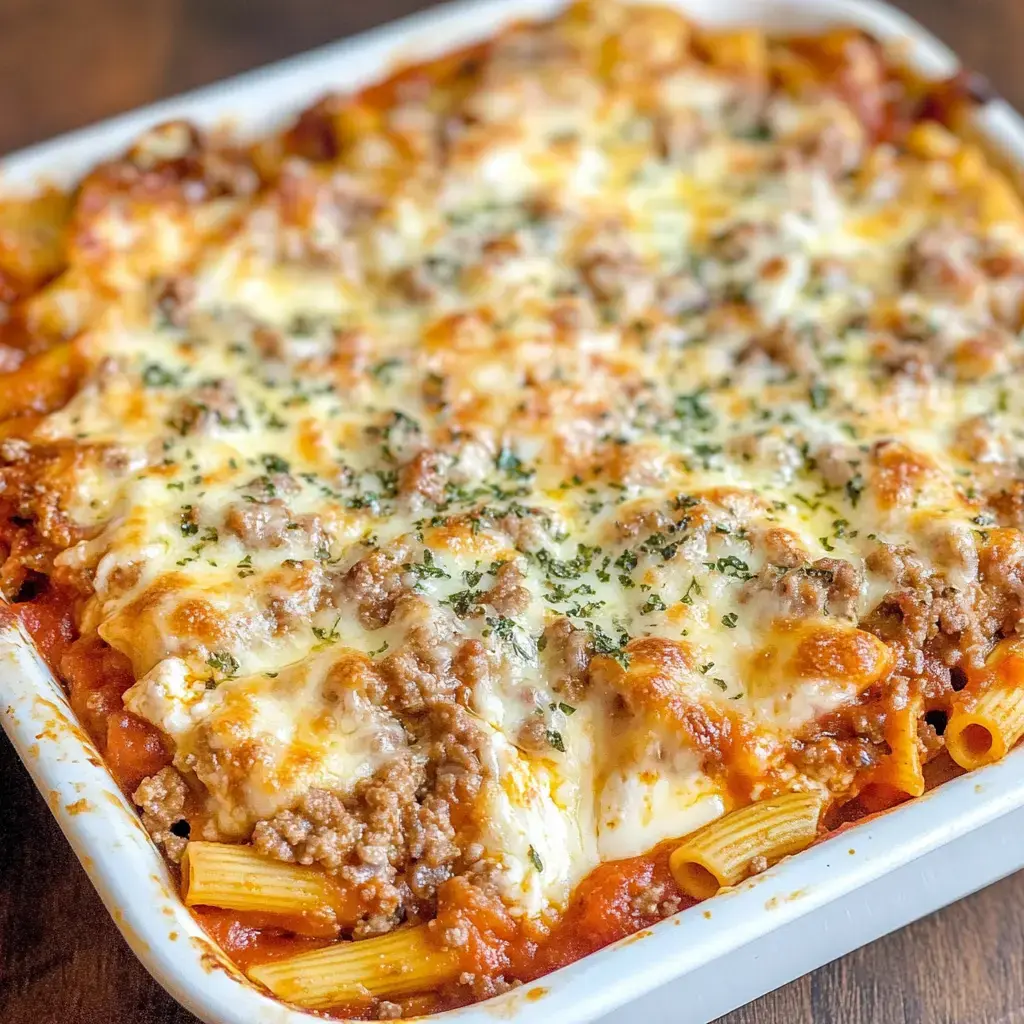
983	726
239	878
901	774
904	771
42	383
721	853
986	732
399	964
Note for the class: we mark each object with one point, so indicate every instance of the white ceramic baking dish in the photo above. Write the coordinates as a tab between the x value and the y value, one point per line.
804	912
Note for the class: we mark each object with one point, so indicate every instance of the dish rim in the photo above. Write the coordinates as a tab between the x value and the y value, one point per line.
104	830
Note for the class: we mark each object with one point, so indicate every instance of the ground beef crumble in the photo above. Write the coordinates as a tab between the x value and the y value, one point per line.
162	799
931	626
486	986
392	838
375	583
508	596
654	902
568	651
827	585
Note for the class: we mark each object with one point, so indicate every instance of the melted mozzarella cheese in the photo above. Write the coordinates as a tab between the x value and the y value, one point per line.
640	808
539	824
648	379
258	743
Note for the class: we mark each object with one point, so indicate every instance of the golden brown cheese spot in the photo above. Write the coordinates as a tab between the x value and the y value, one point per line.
632	465
199	619
163	617
657	685
463	541
819	652
845	655
982	356
164	588
899	475
578	427
657	665
352	672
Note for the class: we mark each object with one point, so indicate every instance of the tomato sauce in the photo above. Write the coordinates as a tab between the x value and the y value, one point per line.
97	677
49	620
134	749
613	901
250	939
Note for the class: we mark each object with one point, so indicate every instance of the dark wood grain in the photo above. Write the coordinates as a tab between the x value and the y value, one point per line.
64	63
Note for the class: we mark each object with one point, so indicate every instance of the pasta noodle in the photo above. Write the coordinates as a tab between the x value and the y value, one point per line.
723	852
238	878
901	775
42	383
987	731
481	477
982	728
743	51
402	963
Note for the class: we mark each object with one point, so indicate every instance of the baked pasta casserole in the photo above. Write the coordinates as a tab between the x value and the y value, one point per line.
514	502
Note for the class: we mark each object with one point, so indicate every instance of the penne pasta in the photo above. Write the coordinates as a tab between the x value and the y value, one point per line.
987	731
901	774
238	878
42	383
401	963
905	773
723	852
983	728
496	475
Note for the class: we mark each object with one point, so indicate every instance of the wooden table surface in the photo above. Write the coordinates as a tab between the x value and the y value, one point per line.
64	63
